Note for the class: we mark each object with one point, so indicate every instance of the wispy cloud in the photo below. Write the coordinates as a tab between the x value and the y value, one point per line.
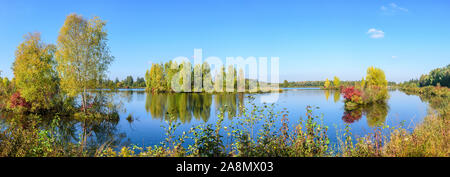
393	8
394	57
375	34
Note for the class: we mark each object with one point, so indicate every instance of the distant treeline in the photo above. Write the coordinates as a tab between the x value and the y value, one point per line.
287	84
128	82
139	82
439	76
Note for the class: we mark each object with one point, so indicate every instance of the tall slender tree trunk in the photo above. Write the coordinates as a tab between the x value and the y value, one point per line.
84	101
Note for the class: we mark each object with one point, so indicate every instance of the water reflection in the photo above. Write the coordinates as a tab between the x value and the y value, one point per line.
439	104
200	107
327	94
185	106
337	96
352	116
375	114
69	129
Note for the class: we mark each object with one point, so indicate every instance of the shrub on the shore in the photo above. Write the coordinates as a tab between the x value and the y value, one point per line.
428	90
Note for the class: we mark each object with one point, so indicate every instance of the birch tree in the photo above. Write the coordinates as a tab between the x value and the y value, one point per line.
82	56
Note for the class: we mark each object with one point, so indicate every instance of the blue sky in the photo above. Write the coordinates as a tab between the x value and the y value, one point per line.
314	39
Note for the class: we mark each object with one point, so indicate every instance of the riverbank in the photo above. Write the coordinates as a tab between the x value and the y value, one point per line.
431	138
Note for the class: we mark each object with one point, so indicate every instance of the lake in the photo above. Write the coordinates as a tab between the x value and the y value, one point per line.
149	111
143	115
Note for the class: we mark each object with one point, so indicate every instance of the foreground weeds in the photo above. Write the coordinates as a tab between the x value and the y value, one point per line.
429	139
26	139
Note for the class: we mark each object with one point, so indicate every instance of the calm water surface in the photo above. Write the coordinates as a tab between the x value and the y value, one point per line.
143	115
149	111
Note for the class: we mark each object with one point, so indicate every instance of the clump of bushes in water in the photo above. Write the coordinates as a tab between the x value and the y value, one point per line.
352	95
370	91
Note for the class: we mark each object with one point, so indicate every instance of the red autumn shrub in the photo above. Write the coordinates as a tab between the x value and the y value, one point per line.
352	95
17	101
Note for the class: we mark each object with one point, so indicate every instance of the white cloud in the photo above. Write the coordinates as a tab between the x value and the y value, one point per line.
394	57
375	34
393	5
392	8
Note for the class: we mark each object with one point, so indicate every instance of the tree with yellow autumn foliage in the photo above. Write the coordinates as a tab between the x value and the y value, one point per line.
376	77
34	74
327	83
336	82
83	55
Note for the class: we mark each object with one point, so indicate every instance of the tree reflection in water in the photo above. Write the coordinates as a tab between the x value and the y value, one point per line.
327	94
351	116
69	129
438	104
337	96
375	114
185	106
